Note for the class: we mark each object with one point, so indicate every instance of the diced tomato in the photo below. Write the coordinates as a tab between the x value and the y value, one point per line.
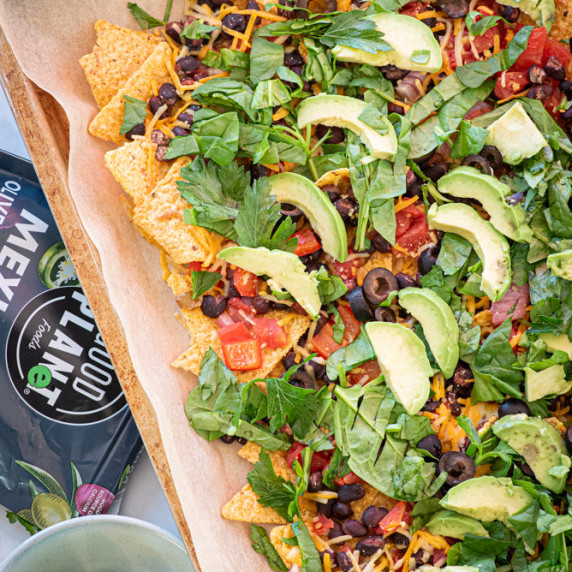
307	242
270	334
403	223
236	332
439	556
509	83
393	519
555	48
320	459
413	8
195	267
323	342
417	236
294	453
245	282
480	108
369	369
485	41
350	479
322	524
242	356
239	310
553	101
534	50
346	270
353	327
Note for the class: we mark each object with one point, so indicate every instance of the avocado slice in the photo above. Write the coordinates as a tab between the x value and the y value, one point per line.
543	12
284	268
455	525
403	361
438	322
318	209
414	46
560	263
549	381
540	444
470	183
560	342
487	498
489	244
515	135
343	111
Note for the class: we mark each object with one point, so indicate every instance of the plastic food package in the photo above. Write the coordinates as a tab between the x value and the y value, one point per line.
67	437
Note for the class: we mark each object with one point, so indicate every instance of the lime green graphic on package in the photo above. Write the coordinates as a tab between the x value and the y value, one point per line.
55	268
39	376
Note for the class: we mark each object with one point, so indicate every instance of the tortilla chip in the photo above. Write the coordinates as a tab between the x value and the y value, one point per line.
335	177
130	164
117	55
562	28
161	216
372	498
251	452
244	507
395	264
276	538
107	123
179	283
204	336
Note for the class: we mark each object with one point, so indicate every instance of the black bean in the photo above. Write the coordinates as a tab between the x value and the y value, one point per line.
213	307
405	281
318	368
384	314
168	94
174	30
345	208
555	69
567	115
431	444
359	305
154	104
431	406
326	509
332	191
354	528
536	74
312	257
568	439
509	13
179	131
336	134
478	162
435	171
515	199
349	493
341	510
336	531
428	259
252	5
513	406
462	381
540	92
392	72
160	152
236	22
228	439
290	14
566	88
293	58
261	305
289	360
492	155
301	379
460	467
372	515
455	8
400	541
370	545
258	171
137	130
344	562
379	243
453	403
315	481
159	138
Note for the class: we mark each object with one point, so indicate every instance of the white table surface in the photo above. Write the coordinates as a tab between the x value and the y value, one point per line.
143	497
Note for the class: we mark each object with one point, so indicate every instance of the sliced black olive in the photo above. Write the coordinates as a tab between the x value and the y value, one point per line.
513	406
336	134
392	72
509	13
301	379
555	69
460	467
228	439
427	259
286	209
378	284
431	444
455	8
332	191
384	314
405	281
379	243
479	162
359	305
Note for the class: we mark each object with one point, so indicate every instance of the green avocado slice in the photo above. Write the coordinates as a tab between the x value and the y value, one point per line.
560	342
438	323
455	525
540	444
343	111
470	183
285	269
317	208
414	45
487	498
543	12
560	263
403	361
549	381
489	244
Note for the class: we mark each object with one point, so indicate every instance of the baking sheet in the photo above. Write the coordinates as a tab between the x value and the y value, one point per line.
48	38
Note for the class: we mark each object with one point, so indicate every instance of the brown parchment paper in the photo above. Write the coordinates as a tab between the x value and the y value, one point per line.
48	37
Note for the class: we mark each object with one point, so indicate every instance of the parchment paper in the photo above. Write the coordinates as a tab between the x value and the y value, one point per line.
48	38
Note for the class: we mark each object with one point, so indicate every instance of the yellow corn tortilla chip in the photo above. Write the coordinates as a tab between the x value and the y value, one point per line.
251	452
130	164
562	28
107	123
244	507
161	216
117	55
205	336
372	497
277	534
395	264
179	283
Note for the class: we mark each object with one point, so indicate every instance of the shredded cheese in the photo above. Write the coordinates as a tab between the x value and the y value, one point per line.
440	26
514	96
280	114
516	339
403	204
430	14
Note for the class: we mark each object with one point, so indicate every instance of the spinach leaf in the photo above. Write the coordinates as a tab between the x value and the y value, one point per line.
560	214
494	360
544	285
469	335
202	281
217	137
330	287
548	127
135	112
519	264
455	251
181	147
144	19
197	29
261	543
270	93
311	561
481	552
337	467
435	280
479	27
318	68
470	140
353	355
265	59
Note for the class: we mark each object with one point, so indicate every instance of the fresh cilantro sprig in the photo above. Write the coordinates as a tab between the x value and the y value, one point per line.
261	543
202	281
144	19
197	29
479	27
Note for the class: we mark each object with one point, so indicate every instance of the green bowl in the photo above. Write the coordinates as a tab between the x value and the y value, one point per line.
103	543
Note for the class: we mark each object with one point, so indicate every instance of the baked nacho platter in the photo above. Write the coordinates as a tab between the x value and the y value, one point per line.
362	211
